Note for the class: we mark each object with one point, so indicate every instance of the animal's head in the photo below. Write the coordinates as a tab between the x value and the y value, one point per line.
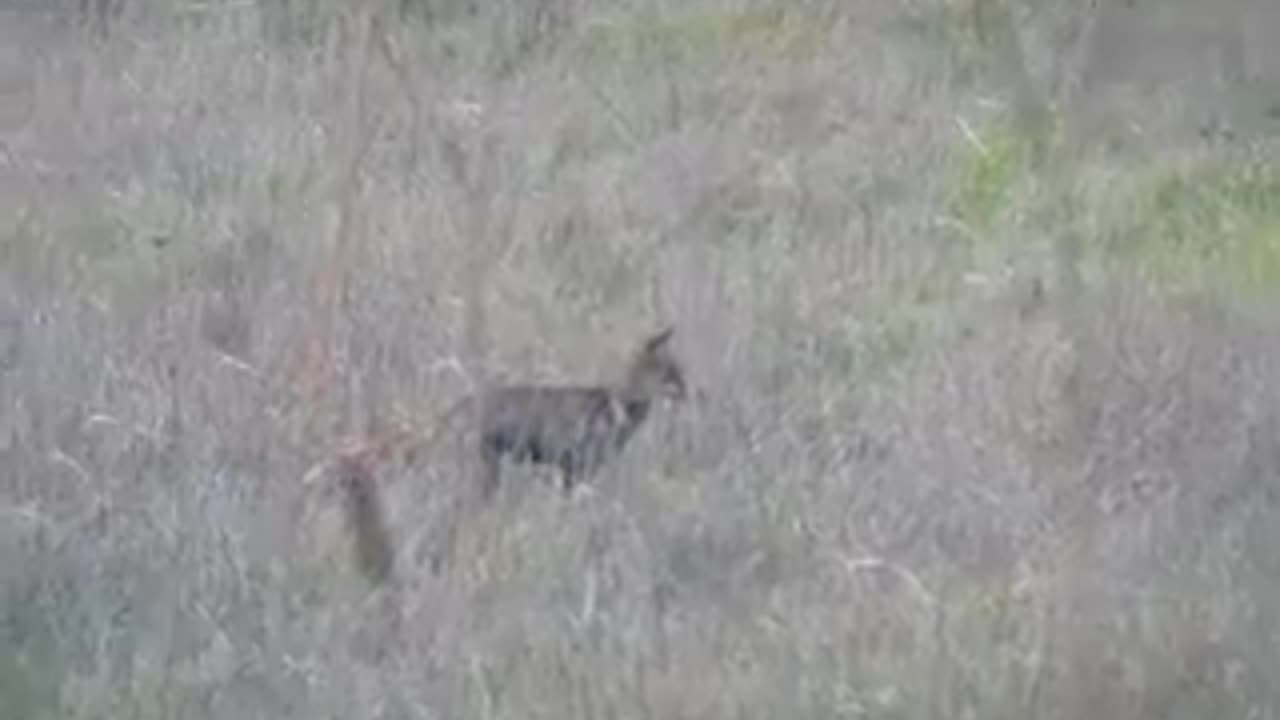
654	370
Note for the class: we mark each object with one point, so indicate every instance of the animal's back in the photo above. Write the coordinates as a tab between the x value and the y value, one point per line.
547	413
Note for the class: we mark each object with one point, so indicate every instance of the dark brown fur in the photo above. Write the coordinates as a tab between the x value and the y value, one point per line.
573	428
576	429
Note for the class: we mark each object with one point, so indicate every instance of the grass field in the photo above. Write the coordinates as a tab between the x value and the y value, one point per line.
976	299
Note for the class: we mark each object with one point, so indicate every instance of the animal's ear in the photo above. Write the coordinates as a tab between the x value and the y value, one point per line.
657	341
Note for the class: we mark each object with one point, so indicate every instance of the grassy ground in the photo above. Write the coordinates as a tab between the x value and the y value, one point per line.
987	409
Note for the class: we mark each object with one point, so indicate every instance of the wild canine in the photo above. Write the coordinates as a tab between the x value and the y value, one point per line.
574	428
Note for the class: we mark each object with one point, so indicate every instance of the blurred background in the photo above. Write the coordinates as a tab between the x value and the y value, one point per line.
977	298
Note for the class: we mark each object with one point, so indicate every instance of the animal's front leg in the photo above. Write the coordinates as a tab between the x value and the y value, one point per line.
490	471
568	478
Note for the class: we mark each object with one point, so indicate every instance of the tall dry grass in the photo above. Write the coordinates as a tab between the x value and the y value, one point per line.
986	420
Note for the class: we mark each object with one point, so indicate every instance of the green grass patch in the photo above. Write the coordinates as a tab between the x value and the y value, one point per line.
108	262
22	248
698	34
989	186
1212	227
31	669
1206	225
985	174
992	189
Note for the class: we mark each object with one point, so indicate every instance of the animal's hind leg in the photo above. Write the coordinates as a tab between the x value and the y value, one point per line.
573	471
